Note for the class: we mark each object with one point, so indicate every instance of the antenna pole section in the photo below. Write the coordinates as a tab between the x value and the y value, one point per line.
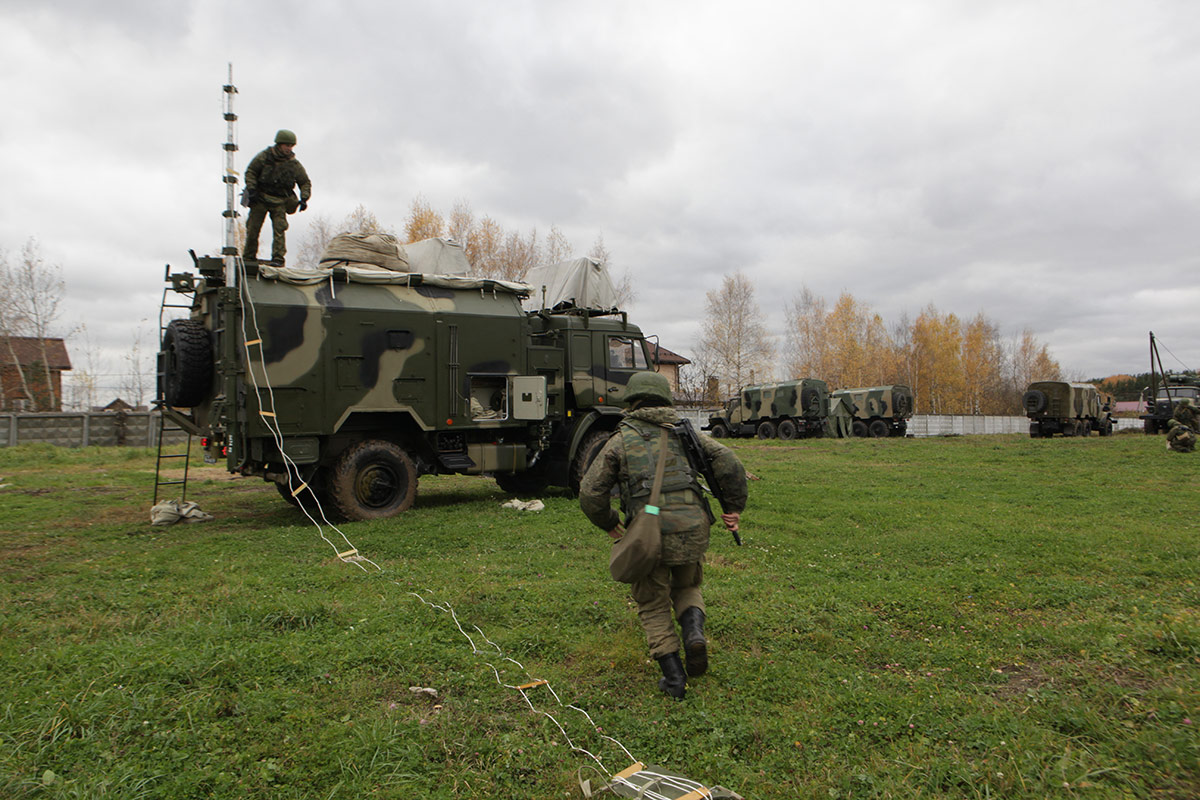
230	250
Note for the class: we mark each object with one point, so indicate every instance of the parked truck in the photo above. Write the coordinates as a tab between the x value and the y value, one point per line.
1072	409
347	384
878	411
787	410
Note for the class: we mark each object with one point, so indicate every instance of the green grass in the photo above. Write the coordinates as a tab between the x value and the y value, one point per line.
985	616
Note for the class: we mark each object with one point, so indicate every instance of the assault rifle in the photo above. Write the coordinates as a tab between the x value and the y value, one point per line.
700	463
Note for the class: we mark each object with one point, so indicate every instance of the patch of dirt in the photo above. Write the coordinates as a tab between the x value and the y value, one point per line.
1020	679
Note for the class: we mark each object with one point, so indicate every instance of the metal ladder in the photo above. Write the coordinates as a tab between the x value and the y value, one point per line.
165	427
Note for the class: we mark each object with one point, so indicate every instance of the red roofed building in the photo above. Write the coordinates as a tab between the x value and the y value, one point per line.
23	373
668	364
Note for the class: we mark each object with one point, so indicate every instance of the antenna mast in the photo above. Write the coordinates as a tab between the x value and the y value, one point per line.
230	250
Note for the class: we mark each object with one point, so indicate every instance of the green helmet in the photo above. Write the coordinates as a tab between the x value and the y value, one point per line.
285	137
647	385
1171	423
1185	401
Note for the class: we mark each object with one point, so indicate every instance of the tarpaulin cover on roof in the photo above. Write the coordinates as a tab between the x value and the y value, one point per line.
382	250
579	283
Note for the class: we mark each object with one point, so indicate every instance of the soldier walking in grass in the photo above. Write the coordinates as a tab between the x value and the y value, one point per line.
628	461
270	180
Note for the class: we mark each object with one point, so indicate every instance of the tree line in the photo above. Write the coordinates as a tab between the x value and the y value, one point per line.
953	365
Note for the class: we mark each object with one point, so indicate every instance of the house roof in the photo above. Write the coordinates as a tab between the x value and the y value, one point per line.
28	350
665	356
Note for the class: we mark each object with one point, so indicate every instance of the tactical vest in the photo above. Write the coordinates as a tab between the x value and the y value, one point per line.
682	507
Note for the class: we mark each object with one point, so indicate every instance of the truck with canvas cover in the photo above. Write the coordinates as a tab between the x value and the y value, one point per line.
1072	409
788	410
348	382
879	411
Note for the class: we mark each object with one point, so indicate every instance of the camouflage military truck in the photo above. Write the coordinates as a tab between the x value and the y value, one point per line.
787	410
1161	407
1072	409
353	383
879	411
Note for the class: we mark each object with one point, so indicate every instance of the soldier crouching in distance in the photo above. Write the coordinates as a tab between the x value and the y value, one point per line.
628	461
1180	437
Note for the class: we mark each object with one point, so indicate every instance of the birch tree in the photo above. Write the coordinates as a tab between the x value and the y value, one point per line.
734	341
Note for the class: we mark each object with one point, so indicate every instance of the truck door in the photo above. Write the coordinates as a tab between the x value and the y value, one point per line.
623	355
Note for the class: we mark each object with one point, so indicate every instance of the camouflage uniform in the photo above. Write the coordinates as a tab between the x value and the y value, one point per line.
1185	413
628	461
1180	438
269	181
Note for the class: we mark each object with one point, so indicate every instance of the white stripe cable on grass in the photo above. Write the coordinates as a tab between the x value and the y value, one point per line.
270	420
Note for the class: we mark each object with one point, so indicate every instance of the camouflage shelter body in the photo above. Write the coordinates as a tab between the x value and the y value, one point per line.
373	377
787	410
878	411
1072	409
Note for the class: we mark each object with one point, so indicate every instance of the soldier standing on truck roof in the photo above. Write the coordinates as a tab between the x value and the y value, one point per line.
269	181
628	460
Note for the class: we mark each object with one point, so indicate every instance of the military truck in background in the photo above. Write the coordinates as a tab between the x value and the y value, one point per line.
878	411
350	382
1160	404
788	410
1072	409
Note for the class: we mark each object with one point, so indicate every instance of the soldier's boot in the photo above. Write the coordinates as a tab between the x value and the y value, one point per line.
694	643
673	681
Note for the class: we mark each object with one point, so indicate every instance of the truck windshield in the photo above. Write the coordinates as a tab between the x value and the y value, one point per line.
1178	392
626	353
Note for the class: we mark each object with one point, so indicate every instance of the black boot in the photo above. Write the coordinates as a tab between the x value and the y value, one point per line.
694	643
672	682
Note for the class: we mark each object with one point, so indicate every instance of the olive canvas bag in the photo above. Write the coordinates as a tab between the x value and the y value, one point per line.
635	554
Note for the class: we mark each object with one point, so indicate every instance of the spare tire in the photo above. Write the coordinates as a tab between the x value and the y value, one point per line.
810	400
187	363
1034	401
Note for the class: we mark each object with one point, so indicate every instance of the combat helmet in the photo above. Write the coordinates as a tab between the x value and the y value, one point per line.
284	136
648	386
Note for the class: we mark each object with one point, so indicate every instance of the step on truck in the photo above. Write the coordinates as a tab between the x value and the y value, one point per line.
346	384
1072	409
877	411
788	410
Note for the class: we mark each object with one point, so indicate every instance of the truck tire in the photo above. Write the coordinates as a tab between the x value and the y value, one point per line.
879	429
1034	401
316	486
718	431
859	429
810	400
787	430
766	430
1085	428
187	363
1035	430
374	479
589	448
531	481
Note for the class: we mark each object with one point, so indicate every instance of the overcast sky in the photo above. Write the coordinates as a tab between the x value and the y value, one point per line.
1036	161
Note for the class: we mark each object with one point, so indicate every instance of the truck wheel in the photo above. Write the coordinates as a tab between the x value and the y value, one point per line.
591	446
187	363
1107	428
373	479
316	486
718	431
531	481
879	429
1085	428
766	430
1035	430
787	430
859	429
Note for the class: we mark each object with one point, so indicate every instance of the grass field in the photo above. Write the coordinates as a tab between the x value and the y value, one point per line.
985	616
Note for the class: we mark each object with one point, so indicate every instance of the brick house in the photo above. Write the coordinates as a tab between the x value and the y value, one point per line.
30	356
668	363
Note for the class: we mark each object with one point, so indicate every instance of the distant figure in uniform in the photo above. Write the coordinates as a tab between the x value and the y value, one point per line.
269	182
628	461
1180	438
1185	413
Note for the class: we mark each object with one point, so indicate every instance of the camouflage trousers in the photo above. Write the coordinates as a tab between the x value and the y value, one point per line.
666	588
279	226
